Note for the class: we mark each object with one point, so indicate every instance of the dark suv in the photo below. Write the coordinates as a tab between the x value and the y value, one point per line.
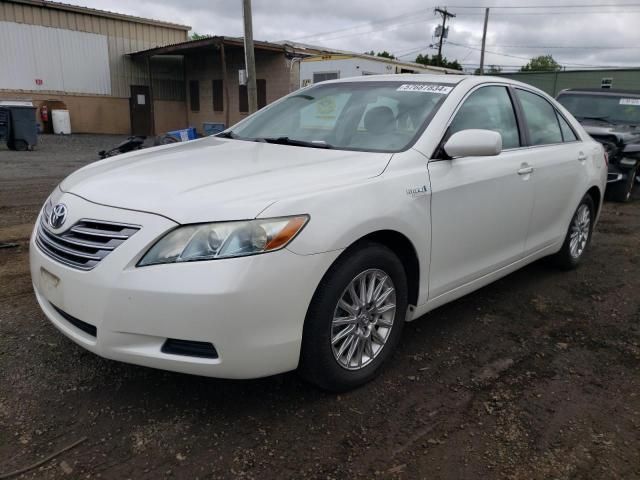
611	117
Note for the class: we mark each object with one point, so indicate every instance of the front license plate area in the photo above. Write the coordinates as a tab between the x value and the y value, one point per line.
51	287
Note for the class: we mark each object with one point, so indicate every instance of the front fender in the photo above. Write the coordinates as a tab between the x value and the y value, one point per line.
397	200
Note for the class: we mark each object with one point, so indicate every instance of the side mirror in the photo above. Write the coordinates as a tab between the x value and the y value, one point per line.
474	143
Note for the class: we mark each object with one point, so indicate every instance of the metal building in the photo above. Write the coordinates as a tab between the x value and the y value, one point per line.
78	56
554	82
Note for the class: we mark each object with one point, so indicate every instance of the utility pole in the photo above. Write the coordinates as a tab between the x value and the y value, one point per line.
445	14
249	57
484	40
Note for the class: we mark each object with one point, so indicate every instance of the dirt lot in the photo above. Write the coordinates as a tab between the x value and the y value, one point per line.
535	376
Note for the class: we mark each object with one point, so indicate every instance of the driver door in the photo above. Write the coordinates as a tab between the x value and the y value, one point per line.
481	206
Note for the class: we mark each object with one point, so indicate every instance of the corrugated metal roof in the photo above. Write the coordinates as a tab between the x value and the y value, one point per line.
99	13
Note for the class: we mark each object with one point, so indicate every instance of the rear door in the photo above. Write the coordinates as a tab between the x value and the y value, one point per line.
481	206
140	107
558	159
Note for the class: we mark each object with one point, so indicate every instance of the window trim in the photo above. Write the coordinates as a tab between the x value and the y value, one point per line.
575	134
440	155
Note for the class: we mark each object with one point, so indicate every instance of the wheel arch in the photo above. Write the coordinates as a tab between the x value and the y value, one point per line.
403	248
596	195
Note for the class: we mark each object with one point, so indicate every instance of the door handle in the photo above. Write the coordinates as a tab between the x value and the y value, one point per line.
525	170
582	157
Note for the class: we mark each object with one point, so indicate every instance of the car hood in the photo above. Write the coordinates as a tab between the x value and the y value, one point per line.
218	179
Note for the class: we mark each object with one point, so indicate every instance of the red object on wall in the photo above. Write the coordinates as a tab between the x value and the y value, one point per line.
39	81
44	113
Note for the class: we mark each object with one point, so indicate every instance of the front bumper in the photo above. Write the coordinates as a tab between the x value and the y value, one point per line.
251	309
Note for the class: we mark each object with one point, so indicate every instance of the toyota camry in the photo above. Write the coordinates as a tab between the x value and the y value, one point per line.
305	236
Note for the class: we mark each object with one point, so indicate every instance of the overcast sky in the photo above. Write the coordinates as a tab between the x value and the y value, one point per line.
405	27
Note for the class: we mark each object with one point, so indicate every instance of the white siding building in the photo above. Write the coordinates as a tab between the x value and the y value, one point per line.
329	67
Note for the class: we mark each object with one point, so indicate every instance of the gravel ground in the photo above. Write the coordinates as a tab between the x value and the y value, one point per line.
534	377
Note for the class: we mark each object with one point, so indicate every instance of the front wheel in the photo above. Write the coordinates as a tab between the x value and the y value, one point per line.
578	236
355	319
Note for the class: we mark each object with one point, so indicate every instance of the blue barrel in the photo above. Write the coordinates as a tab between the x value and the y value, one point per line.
211	128
184	135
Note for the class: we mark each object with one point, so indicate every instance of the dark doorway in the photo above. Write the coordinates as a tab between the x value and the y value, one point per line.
140	107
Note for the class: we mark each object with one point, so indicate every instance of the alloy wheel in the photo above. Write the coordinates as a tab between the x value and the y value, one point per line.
363	319
580	231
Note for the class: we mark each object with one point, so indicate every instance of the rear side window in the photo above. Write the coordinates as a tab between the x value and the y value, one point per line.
489	108
541	118
568	135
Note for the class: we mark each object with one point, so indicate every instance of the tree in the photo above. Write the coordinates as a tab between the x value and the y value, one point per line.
491	70
198	36
433	61
383	54
543	63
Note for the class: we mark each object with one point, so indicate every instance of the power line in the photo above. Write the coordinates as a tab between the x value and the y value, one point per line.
529	7
388	28
524	14
366	24
518	57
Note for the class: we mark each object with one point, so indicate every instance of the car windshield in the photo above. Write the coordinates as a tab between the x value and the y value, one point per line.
609	108
365	116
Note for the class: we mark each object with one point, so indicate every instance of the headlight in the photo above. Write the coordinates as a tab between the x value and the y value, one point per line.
212	241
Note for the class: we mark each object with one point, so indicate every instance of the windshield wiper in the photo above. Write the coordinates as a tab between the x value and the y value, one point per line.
227	134
295	143
604	118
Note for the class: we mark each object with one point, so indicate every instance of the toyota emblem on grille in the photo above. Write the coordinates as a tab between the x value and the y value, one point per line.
58	215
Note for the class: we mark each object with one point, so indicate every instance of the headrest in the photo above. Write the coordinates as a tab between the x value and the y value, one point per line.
379	120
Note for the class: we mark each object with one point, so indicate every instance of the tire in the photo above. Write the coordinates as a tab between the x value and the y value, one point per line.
621	191
374	332
570	256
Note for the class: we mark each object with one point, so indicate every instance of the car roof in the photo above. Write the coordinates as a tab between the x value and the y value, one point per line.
446	79
601	91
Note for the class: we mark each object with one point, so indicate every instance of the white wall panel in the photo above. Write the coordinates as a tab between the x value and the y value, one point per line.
350	67
65	60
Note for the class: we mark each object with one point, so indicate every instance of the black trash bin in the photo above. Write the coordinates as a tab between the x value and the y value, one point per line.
23	131
5	120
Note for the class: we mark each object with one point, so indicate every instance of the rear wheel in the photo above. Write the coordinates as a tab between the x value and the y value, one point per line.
621	191
355	319
578	236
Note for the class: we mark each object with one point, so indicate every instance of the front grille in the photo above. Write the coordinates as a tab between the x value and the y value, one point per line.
189	348
79	324
85	244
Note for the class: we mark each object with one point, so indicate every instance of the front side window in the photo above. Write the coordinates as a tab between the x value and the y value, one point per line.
541	118
366	116
489	108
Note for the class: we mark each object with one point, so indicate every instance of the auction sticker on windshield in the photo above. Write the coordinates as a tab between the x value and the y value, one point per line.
425	88
630	101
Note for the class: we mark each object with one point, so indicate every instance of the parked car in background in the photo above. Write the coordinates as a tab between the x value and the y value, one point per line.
307	234
612	117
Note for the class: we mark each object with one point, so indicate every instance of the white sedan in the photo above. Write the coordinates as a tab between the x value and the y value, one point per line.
307	234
